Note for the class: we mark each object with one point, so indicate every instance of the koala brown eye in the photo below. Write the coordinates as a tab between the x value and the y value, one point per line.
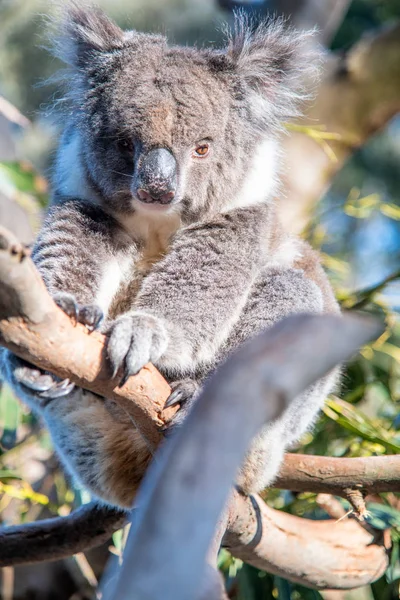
125	145
201	151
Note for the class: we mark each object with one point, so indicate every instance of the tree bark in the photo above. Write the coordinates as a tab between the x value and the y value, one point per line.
318	554
358	95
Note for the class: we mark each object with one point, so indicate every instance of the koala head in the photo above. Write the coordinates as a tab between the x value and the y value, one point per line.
166	128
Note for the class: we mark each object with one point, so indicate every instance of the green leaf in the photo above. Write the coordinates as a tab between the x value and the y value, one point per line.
351	418
23	176
393	572
307	594
284	588
391	210
380	590
254	584
9	419
5	475
382	516
117	539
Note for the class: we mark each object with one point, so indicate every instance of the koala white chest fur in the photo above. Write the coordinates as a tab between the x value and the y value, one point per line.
163	230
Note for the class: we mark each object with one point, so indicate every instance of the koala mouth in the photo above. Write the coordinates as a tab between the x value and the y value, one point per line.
163	199
153	205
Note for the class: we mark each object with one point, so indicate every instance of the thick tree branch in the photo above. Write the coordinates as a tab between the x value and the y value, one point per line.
33	327
358	95
299	472
319	554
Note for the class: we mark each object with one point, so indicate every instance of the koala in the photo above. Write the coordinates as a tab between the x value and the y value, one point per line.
163	231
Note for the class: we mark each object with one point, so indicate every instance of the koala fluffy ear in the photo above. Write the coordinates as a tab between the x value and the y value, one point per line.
83	32
277	63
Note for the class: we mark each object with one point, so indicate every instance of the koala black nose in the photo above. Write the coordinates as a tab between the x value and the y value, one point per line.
157	177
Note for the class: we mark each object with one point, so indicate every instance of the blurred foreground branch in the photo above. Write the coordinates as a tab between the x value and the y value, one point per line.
185	489
35	329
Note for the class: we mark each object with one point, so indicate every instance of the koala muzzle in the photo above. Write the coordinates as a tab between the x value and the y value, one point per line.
157	177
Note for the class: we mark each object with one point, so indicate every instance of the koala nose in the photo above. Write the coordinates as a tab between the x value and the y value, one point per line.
157	177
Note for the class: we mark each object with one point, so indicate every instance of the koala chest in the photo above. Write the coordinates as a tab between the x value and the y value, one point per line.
153	235
150	237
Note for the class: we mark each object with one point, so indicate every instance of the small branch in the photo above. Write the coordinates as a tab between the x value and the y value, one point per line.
331	505
361	298
53	539
322	474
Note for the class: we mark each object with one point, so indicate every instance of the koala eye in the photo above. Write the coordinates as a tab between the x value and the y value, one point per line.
125	145
201	151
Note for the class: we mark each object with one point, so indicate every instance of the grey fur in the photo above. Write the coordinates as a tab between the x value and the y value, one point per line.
180	285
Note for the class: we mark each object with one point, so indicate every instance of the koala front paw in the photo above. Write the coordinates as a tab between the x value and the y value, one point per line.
89	315
35	385
135	340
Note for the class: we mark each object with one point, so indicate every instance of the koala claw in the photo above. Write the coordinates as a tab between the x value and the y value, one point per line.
135	340
45	385
68	304
181	391
89	315
184	392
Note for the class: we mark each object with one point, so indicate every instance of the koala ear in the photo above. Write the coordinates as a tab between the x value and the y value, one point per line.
83	32
277	63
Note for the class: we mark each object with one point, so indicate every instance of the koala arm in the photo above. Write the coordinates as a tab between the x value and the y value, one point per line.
73	250
201	286
73	254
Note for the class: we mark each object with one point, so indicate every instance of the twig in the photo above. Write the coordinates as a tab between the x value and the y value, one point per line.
361	298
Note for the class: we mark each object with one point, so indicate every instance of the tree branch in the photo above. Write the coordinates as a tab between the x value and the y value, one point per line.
318	554
299	472
35	329
357	96
53	539
373	474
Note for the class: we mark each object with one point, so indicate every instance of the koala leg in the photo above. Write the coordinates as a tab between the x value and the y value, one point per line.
277	293
263	459
99	445
96	440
